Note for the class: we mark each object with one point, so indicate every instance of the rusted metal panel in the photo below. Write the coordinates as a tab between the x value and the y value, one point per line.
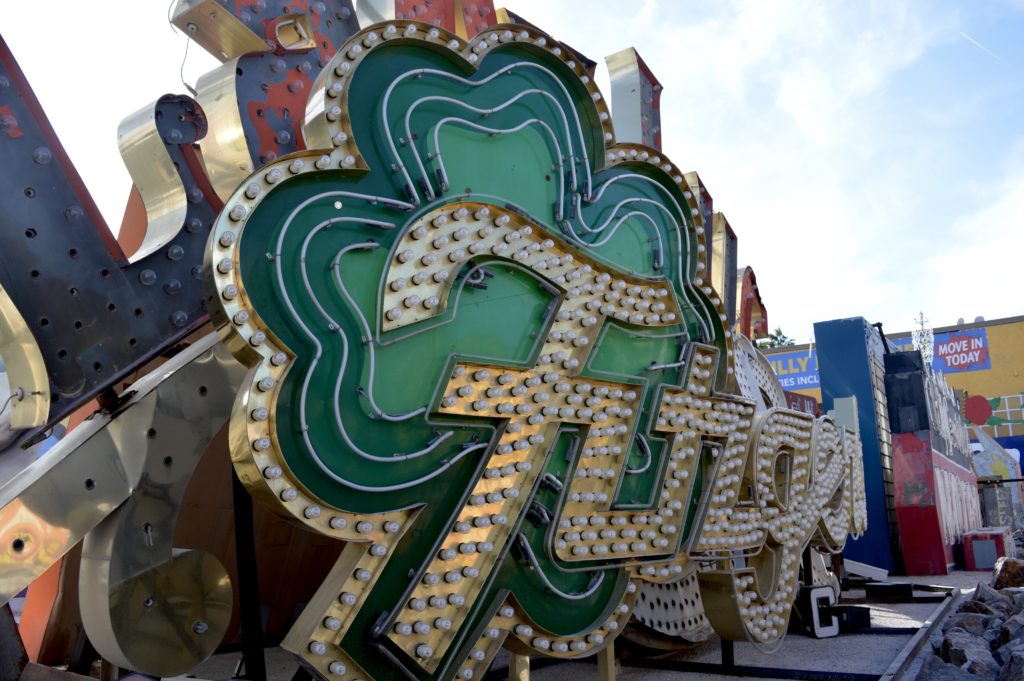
95	316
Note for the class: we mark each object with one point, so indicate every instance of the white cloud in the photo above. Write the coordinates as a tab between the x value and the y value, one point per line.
979	273
847	193
89	74
777	108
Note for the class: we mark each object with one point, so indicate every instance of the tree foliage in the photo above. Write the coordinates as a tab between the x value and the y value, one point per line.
776	339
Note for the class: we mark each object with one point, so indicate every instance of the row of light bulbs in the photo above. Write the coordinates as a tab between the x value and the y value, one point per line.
468	552
437	245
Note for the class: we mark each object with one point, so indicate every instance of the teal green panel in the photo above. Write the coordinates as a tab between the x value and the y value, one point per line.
365	402
481	164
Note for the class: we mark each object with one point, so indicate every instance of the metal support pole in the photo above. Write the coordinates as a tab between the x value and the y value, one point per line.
837	565
248	585
108	671
518	667
728	653
82	654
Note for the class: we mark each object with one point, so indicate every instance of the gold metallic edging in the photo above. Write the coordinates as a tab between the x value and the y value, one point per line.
263	468
26	370
248	337
154	174
216	29
146	605
225	152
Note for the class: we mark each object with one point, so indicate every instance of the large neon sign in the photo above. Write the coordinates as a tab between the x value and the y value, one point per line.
479	344
483	353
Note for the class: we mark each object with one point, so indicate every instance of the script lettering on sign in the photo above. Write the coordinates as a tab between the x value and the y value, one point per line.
483	353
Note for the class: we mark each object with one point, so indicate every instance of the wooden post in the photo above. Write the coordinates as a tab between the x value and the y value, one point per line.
607	665
108	671
518	667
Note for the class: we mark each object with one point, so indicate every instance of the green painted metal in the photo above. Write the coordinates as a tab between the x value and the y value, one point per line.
502	322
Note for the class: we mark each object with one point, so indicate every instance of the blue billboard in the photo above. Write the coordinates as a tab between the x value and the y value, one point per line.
953	352
796	370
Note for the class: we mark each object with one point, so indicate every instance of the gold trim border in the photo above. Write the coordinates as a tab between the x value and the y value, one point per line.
26	370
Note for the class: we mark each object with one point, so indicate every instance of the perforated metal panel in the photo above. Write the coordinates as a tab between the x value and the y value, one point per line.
675	610
876	373
272	88
755	377
95	317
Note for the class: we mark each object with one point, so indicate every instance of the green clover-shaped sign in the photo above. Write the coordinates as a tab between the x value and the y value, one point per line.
461	320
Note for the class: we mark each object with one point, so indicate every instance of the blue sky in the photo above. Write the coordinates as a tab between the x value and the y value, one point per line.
869	155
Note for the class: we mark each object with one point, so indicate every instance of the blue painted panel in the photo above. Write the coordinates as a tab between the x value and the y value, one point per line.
843	350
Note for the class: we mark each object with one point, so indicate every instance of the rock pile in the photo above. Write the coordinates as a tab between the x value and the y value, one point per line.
985	636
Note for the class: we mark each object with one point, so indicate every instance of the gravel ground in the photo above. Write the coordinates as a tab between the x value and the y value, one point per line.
867	654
